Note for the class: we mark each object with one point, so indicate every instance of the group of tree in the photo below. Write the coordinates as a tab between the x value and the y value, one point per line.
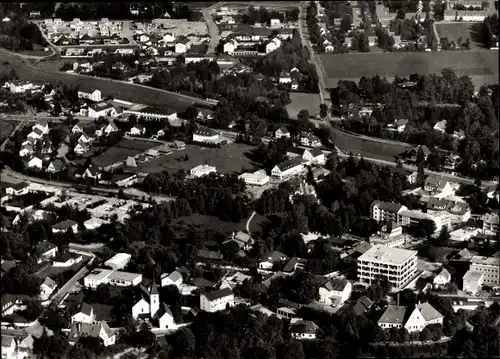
18	34
490	33
433	99
262	15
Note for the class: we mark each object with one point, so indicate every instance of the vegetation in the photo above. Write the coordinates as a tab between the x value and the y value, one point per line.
19	34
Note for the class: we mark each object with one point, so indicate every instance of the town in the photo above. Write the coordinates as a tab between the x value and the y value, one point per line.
198	191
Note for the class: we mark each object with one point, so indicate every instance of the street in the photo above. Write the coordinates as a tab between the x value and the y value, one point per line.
213	31
61	293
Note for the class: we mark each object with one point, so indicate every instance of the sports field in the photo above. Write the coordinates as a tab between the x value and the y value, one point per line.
481	65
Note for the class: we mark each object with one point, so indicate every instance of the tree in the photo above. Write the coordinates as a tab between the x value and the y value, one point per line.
444	235
57	108
431	252
425	335
323	110
303	119
420	167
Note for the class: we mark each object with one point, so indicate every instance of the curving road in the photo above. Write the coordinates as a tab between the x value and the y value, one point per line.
213	31
119	89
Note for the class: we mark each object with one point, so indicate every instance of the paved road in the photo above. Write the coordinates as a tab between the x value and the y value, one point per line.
249	221
61	293
213	31
323	93
35	118
2	147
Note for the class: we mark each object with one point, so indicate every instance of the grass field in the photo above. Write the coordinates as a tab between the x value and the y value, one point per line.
123	91
228	159
121	151
303	101
210	222
481	65
369	148
465	30
6	129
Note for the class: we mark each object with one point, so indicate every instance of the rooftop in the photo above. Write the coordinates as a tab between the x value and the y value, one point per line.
491	261
472	275
393	314
68	223
388	255
217	294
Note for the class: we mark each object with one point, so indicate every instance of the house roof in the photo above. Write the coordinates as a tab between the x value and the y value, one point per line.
444	272
7	341
58	164
362	305
154	288
425	149
428	312
337	284
203	253
20	186
49	282
101	106
315	152
93	170
285	165
68	223
394	314
283	129
388	206
91	330
86	309
309	326
44	246
217	294
297	150
205	131
275	256
66	256
174	276
464	253
164	309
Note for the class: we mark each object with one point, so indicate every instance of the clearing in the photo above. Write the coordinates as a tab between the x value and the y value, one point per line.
210	222
369	148
465	30
303	101
480	65
123	91
227	159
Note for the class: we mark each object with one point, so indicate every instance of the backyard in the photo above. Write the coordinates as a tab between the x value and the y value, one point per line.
303	101
227	159
481	65
454	31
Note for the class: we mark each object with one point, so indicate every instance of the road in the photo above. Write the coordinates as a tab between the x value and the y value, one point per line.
2	146
28	118
249	221
213	31
119	89
304	34
61	293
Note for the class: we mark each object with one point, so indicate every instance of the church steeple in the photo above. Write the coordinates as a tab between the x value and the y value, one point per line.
154	299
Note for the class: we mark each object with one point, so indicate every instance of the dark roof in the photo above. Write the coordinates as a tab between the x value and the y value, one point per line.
68	223
20	185
316	152
388	206
285	165
283	129
63	258
154	288
44	246
202	253
58	164
217	294
363	304
308	327
158	110
86	309
93	170
183	270
205	131
164	309
8	265
393	314
296	150
337	284
101	106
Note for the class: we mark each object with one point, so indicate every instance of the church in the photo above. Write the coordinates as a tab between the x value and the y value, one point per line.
148	306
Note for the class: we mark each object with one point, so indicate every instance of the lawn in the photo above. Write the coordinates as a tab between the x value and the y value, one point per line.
210	222
303	101
137	144
369	148
228	159
481	65
6	129
123	91
113	155
465	30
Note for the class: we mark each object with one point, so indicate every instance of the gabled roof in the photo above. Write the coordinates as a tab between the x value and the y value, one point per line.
297	150
275	256
428	312
68	223
218	294
91	330
174	276
44	246
164	310
49	282
93	170
86	309
283	129
337	284
154	288
388	206
285	165
315	152
394	314
444	273
309	326
58	164
205	131
19	186
363	304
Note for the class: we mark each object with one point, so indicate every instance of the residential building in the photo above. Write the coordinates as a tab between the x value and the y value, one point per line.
464	234
81	148
43	126
287	169
472	281
107	276
230	46
64	226
18	189
152	113
118	261
47	288
110	127
335	291
34	162
440	126
387	211
393	317
412	154
309	140
55	166
182	46
490	267
257	178
67	259
490	224
268	260
437	185
398	125
77	128
84	314
8	347
217	300
205	134
93	95
422	315
202	170
174	278
44	250
14	302
399	266
26	150
97	330
102	109
282	132
273	45
389	235
285	78
363	305
242	239
92	172
442	278
303	329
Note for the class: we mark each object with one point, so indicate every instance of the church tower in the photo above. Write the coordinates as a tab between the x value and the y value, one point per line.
154	299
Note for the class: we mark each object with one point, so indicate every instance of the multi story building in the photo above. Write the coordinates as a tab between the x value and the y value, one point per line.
389	235
399	266
490	224
387	211
287	169
489	266
216	300
258	178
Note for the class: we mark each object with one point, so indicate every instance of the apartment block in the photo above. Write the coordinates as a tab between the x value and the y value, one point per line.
489	266
399	266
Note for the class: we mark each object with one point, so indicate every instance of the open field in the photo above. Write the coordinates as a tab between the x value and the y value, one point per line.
121	151
182	27
303	101
369	148
454	30
228	159
140	145
6	129
210	222
123	91
480	65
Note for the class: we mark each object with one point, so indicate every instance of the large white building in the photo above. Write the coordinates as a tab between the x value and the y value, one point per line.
202	170
389	235
216	300
95	95
205	134
490	224
399	266
150	306
257	178
396	316
118	261
107	276
489	266
287	169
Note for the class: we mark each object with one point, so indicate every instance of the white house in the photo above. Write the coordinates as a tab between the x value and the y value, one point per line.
287	169
47	288
285	78
168	38
110	127
282	132
84	314
92	172
102	276
472	281
174	278
67	259
205	134
95	95
118	261
102	109
8	347
182	46
34	162
310	140
423	315
64	226
202	170
269	259
43	126
398	125
35	135
96	330
216	300
81	148
26	150
229	47
442	278
440	126
335	291
303	329
85	139
257	178
77	128
138	130
273	45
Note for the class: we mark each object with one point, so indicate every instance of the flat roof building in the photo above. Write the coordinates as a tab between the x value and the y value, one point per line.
108	276
489	266
399	266
118	261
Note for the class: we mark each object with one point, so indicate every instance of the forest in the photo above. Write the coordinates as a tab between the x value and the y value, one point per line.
18	34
